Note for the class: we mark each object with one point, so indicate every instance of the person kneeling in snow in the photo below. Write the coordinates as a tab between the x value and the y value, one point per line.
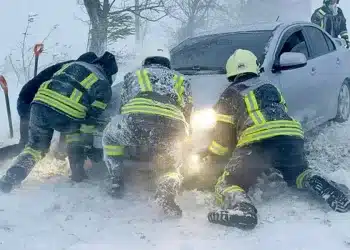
156	105
25	98
70	102
254	126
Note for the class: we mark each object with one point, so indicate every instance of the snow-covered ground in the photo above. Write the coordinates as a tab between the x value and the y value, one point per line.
48	212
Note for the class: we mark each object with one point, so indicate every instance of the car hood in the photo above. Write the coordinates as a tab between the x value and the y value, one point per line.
206	89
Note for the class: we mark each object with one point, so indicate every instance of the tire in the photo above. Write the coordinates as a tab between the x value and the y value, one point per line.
343	109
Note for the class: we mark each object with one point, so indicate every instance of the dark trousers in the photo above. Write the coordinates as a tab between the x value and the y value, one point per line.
284	153
43	121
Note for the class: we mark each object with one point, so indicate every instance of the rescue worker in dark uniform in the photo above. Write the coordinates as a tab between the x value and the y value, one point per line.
253	127
70	102
331	18
25	98
156	104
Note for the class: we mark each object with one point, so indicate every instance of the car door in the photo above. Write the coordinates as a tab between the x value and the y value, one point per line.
326	62
296	84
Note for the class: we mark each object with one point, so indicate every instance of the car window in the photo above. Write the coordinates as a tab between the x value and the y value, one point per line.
317	41
212	52
331	46
295	43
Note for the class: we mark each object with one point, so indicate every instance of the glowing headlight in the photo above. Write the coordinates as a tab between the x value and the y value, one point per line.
203	119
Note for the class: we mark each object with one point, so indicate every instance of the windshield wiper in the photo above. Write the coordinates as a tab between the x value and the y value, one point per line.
200	68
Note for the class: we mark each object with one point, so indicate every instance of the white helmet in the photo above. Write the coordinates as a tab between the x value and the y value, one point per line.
159	56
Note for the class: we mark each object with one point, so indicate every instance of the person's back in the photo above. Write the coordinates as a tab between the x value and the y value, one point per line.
78	90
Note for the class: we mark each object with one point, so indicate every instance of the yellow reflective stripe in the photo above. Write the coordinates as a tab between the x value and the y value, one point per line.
72	138
89	81
179	88
112	150
283	101
221	189
153	111
218	149
145	101
224	118
86	83
87	129
45	84
253	108
140	80
60	71
36	154
268	134
143	79
300	179
63	99
100	105
57	104
271	125
322	12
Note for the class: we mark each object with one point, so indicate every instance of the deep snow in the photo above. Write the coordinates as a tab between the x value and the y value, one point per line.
48	212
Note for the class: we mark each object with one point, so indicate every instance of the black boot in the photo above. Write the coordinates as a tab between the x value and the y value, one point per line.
78	173
336	195
116	188
242	215
6	184
237	210
13	177
165	196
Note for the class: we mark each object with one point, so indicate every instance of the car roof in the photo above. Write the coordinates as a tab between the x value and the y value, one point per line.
259	26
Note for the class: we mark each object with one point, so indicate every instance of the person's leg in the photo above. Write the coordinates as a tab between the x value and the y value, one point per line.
242	171
116	136
293	165
40	135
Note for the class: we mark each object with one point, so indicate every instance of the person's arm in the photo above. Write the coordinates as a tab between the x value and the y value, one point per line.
317	17
343	29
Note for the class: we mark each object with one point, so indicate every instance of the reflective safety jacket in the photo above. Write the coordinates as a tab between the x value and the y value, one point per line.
79	90
157	90
335	25
250	111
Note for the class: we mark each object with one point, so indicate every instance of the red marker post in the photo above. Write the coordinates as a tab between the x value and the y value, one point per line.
4	87
38	49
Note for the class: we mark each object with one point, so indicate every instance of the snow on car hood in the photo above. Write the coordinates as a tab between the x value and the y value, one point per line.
206	89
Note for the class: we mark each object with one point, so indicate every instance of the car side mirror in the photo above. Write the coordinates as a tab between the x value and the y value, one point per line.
291	60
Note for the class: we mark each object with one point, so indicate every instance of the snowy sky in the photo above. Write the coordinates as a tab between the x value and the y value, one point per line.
64	12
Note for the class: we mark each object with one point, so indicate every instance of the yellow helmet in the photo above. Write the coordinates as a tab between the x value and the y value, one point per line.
242	61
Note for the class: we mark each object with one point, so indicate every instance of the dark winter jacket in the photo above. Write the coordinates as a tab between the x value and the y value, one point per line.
248	111
335	25
28	91
157	90
79	90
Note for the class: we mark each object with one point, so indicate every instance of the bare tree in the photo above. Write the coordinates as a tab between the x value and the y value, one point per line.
22	64
192	14
110	22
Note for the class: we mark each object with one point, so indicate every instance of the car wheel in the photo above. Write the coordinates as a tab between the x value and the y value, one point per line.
343	104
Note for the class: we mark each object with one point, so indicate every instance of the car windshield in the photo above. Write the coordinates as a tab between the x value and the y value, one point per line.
211	52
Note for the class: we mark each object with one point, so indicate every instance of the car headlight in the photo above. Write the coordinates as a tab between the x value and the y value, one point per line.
203	119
